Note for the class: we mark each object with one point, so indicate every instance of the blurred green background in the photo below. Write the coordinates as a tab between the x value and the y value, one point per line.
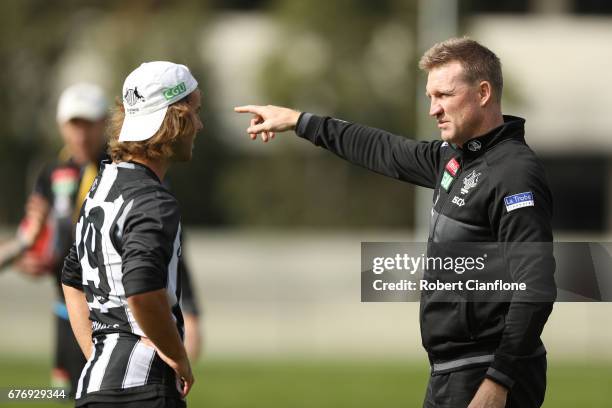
274	231
256	384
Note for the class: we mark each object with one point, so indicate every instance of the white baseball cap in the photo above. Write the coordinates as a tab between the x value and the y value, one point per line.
83	101
147	93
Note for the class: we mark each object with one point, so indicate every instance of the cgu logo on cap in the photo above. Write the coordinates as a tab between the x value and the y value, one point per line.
170	93
132	96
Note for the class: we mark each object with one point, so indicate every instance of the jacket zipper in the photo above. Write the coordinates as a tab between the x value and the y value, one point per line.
468	304
448	198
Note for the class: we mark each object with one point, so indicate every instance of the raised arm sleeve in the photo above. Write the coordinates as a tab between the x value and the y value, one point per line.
375	149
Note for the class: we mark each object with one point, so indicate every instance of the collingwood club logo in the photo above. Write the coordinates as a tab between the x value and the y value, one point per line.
474	145
470	182
132	96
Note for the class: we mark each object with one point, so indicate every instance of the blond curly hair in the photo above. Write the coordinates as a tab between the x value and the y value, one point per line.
177	123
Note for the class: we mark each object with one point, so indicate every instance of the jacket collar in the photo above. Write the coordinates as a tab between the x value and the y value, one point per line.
512	128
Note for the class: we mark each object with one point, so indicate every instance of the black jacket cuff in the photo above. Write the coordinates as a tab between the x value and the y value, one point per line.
500	376
307	126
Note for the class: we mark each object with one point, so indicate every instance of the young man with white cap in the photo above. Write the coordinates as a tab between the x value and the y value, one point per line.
121	278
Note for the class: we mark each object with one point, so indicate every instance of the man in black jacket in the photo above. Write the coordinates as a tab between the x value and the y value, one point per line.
489	188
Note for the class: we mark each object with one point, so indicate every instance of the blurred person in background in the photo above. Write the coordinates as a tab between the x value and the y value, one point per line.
46	233
488	187
121	278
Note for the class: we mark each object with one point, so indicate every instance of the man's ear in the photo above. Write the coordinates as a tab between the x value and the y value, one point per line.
485	93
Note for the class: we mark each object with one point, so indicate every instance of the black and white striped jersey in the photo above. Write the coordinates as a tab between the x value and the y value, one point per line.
128	241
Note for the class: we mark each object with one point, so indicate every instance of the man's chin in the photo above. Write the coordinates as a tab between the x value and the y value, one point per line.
447	137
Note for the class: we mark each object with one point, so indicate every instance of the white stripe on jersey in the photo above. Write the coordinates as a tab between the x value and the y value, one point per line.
173	270
125	165
99	368
85	369
121	219
138	365
106	183
133	323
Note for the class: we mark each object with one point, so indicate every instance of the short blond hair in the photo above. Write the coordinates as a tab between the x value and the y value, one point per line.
479	63
177	123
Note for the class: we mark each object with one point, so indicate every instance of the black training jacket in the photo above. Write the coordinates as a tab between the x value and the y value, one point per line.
492	191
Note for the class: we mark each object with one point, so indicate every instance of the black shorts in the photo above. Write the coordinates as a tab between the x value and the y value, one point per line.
456	389
158	402
68	354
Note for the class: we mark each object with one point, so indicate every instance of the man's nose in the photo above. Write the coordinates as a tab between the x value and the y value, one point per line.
435	109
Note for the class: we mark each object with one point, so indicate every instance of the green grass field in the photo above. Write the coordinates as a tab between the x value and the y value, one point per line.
322	384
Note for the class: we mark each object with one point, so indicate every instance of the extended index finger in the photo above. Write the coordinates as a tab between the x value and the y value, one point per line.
256	109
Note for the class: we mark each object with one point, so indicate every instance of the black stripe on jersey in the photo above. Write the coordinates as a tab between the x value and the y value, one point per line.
118	363
116	231
161	373
92	245
156	371
178	315
129	360
98	347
